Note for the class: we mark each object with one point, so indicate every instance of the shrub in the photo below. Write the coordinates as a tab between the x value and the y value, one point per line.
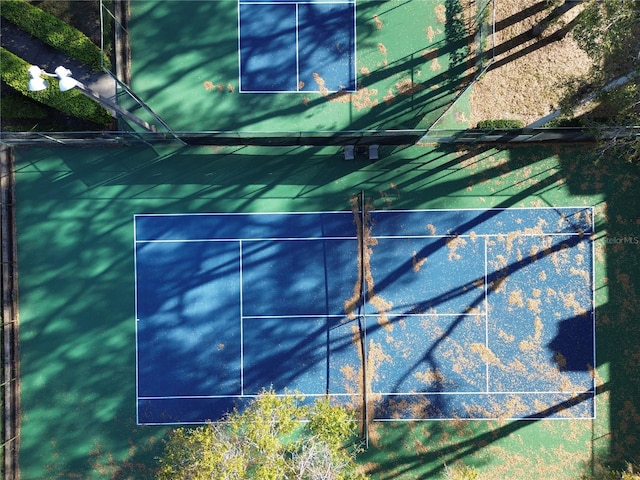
460	472
267	441
54	32
14	71
579	122
500	124
19	106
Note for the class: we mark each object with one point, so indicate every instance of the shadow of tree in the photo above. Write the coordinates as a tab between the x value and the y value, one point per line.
75	239
613	437
393	91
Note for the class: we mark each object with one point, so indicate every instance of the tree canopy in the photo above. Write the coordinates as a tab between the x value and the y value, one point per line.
609	32
273	438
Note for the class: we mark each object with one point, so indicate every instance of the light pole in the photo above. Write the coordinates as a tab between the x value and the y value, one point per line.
67	82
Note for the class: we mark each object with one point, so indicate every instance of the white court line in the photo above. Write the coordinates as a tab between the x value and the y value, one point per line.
503	234
486	306
265	239
248	395
370	315
445	419
384	237
297	46
342	212
302	316
355	45
593	306
239	51
241	323
135	307
489	209
487	394
350	395
382	213
481	419
298	2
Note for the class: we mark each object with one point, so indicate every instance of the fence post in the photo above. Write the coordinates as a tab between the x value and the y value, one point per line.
10	345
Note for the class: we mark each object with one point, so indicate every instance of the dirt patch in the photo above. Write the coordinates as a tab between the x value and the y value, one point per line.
531	74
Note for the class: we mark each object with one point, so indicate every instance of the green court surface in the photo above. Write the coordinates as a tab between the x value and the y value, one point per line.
411	60
75	212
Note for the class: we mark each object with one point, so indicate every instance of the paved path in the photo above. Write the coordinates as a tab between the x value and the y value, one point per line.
48	58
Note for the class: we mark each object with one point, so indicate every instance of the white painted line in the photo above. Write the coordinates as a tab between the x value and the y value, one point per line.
135	307
486	306
241	322
297	48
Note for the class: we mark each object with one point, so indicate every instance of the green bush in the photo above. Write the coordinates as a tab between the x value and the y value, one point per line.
19	106
579	122
268	440
460	472
500	124
54	32
14	71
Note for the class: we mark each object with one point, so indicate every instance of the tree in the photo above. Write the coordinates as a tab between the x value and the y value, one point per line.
273	438
609	32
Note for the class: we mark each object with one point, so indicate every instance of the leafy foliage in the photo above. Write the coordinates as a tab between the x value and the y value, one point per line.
456	32
18	106
54	32
605	30
461	472
500	124
274	438
609	31
630	473
14	71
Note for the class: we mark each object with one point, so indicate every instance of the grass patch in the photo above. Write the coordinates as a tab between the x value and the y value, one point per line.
19	107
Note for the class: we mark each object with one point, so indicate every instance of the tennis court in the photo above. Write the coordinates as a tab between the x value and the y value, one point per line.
478	314
300	65
297	46
81	346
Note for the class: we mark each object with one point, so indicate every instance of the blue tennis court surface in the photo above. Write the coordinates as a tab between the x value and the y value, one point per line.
296	46
476	314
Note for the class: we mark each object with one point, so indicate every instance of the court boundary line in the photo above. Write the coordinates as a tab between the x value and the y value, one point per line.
594	385
295	2
486	308
237	4
369	315
297	47
388	394
475	419
342	212
247	395
241	319
384	237
471	419
479	392
135	306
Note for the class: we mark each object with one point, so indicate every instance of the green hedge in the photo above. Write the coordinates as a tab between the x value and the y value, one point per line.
19	106
54	32
14	71
580	122
500	124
